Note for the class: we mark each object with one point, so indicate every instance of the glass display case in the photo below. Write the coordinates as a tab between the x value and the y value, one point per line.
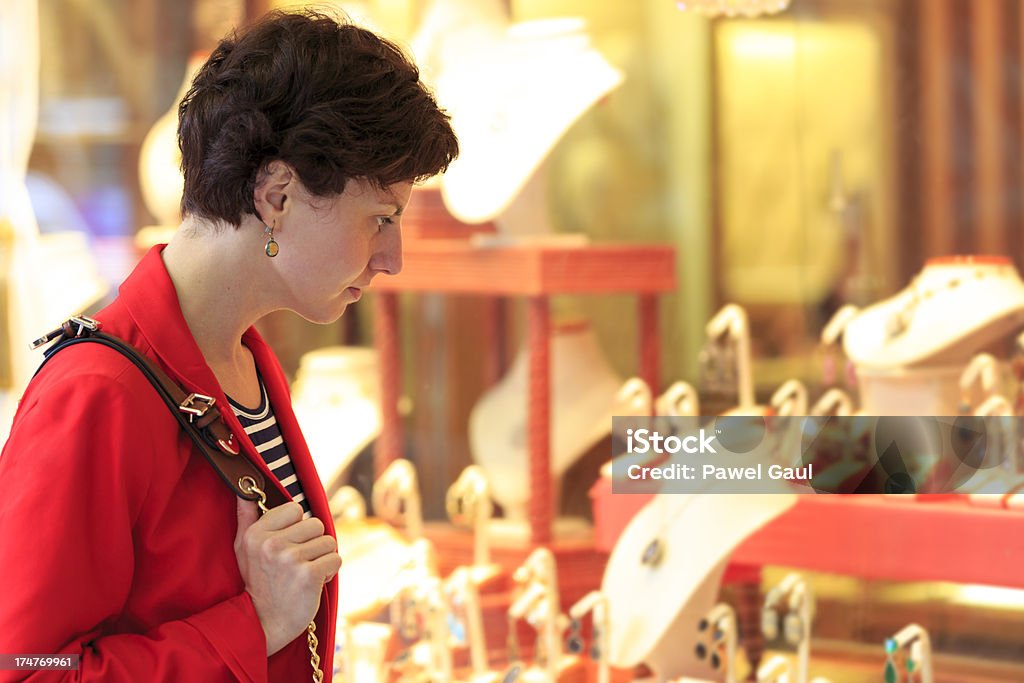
839	179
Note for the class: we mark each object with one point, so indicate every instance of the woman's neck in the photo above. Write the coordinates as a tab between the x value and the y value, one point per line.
219	288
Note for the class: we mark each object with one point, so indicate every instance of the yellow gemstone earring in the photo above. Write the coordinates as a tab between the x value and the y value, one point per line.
271	247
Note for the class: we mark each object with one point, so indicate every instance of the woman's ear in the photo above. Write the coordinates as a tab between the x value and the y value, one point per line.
274	185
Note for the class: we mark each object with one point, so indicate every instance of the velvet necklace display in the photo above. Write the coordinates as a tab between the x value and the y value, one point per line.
910	349
664	574
513	90
336	401
584	389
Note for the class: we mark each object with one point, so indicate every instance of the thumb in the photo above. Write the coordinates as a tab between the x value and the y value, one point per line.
248	513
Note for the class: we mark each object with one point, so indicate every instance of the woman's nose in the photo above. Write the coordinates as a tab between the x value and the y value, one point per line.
388	257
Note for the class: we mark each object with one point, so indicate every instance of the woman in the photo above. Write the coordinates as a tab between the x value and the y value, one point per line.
301	138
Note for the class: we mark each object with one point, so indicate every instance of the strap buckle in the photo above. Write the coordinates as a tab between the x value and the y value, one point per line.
196	405
73	327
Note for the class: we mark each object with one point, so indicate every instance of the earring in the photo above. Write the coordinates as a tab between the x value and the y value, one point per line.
574	641
595	644
271	247
703	651
891	674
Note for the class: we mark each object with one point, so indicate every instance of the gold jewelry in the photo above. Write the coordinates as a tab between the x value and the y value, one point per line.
271	248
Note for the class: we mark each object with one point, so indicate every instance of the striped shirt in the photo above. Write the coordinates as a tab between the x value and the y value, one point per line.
261	426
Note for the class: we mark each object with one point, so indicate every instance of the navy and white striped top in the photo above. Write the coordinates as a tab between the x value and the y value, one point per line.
261	426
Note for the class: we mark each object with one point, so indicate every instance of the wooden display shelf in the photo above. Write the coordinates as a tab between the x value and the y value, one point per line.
534	271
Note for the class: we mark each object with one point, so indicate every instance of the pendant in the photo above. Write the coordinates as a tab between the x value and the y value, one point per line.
653	553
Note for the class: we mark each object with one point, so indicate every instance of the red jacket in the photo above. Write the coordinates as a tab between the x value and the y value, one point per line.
116	537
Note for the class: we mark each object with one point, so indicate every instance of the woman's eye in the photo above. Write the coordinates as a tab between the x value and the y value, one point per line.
383	221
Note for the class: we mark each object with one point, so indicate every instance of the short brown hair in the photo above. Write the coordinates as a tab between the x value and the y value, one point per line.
329	98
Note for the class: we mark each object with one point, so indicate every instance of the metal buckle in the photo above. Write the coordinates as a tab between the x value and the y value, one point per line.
196	405
83	322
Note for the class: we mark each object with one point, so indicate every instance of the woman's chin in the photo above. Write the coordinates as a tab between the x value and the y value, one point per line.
325	316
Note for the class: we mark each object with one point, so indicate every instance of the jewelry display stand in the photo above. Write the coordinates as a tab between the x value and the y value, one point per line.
910	350
981	379
830	342
419	614
468	504
717	632
373	551
536	600
914	641
396	498
795	592
596	604
833	402
585	394
512	89
336	397
463	595
728	337
1000	469
364	649
775	670
679	400
664	574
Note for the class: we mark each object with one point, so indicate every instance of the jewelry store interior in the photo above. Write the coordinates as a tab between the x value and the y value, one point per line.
683	208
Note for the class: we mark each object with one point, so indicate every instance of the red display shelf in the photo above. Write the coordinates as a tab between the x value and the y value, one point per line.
874	537
536	272
879	537
459	267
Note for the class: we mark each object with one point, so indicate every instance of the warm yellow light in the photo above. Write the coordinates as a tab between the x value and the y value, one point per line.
989	596
762	45
733	8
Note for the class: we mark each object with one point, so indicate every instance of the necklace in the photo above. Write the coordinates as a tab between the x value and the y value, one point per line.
654	552
899	322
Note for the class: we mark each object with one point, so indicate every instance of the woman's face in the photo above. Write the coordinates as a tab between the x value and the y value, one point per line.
331	248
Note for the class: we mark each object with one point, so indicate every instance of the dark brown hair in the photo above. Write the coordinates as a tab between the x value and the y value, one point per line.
329	98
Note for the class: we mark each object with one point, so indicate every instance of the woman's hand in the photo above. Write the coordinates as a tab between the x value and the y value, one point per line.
285	561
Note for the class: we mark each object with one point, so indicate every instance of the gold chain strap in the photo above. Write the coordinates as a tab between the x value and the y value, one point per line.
248	485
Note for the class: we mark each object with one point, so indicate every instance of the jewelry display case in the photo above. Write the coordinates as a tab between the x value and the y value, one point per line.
837	180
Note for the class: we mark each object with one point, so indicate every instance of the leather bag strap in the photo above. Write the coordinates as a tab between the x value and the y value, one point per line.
197	415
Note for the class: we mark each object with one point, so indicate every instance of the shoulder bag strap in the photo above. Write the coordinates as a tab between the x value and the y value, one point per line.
197	415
